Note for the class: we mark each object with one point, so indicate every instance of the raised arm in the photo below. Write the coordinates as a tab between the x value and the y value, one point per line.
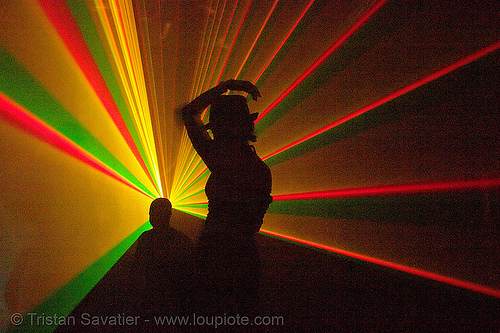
191	113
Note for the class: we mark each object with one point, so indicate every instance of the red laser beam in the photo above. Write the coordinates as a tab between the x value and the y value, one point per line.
207	35
222	46
20	118
213	47
201	54
284	40
414	271
462	62
234	41
60	15
324	56
393	190
257	37
401	189
267	65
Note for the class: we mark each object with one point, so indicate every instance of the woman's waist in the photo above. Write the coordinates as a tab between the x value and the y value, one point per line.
239	208
242	190
237	214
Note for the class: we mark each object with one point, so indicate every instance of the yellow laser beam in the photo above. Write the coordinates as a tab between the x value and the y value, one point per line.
121	33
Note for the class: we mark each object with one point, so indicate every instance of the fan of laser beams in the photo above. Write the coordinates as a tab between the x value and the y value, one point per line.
113	127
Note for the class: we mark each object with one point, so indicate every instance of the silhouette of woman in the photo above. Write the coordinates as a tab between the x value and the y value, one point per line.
238	192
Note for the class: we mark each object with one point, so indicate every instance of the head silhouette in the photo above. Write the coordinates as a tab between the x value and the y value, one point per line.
160	213
231	118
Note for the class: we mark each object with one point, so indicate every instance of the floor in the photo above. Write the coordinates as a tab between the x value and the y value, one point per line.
305	290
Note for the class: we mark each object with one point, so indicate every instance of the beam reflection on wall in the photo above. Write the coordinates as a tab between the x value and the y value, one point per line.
359	96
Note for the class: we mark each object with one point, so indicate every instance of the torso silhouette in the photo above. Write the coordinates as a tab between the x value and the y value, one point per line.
239	187
165	258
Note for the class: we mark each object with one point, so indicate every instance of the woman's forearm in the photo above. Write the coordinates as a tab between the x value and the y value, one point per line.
193	110
191	113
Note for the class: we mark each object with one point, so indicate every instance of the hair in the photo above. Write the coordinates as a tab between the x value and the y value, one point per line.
160	212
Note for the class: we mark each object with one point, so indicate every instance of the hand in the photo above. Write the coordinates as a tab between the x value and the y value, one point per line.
242	85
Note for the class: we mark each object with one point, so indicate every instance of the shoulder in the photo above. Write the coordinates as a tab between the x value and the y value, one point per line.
145	235
177	235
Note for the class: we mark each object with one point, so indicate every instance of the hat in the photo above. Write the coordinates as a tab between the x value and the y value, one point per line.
231	108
